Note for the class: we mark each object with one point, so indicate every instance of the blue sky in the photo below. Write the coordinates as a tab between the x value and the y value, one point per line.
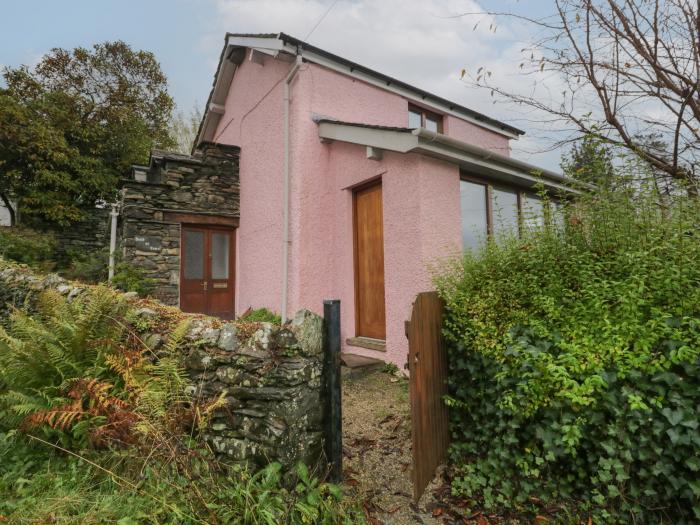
414	40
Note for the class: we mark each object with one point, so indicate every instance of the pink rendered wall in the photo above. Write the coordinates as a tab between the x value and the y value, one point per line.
253	120
420	198
421	195
343	98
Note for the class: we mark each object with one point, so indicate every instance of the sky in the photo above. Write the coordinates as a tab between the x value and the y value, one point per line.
421	42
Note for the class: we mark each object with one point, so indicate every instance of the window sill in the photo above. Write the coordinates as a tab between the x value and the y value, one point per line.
367	342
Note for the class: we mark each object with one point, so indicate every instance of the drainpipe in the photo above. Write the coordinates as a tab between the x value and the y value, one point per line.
285	193
112	240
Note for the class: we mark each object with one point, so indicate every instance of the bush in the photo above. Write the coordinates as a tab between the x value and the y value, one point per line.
261	315
574	369
130	278
27	246
86	266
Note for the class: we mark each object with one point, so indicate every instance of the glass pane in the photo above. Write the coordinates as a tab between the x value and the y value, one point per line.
431	124
194	255
219	255
533	212
473	209
557	214
414	119
505	212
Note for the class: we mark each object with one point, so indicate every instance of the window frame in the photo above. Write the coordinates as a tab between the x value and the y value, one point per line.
520	193
425	114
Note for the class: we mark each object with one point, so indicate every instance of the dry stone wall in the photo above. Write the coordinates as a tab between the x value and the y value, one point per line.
269	375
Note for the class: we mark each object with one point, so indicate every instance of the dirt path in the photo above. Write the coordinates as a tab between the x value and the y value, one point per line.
377	448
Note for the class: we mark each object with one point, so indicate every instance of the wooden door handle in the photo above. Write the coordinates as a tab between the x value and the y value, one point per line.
204	285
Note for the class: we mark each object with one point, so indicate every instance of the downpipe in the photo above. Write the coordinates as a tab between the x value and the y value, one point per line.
285	193
114	215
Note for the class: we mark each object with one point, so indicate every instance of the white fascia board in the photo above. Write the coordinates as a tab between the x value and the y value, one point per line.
271	43
388	140
406	93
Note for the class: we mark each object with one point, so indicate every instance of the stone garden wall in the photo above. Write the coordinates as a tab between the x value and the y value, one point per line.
270	375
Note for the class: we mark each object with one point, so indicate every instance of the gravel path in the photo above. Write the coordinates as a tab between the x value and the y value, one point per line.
377	449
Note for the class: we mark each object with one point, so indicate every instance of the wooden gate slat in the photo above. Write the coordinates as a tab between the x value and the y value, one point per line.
428	384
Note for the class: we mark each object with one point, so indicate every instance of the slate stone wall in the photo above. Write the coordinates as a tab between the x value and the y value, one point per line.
269	375
89	235
205	186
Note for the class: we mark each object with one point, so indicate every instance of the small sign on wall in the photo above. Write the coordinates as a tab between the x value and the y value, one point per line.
147	243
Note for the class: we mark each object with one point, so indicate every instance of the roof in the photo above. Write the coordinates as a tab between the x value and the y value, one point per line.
425	95
276	43
473	158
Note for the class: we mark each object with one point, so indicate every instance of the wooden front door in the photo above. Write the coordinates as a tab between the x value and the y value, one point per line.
207	271
369	262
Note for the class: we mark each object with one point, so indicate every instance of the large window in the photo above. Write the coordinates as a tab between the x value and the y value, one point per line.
422	118
474	214
500	212
504	212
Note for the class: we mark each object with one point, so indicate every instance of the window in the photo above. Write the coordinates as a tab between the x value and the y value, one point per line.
504	212
532	210
422	118
474	214
501	212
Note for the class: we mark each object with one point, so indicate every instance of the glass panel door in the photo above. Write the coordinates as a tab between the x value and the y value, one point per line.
474	214
193	260
220	255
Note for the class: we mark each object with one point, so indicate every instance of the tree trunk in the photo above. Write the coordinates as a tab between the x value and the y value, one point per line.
10	209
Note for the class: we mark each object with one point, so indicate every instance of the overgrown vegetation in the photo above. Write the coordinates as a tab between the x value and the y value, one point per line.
95	427
574	364
38	250
261	315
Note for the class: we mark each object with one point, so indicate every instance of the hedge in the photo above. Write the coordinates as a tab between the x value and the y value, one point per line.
574	370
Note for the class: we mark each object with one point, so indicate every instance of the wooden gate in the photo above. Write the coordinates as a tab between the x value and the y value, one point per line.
427	362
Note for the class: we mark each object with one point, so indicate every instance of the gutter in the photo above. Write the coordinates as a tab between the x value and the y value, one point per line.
425	135
285	194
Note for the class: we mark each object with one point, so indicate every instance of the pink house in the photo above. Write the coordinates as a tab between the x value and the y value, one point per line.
353	183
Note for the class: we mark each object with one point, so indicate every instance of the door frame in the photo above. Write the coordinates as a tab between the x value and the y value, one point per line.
361	187
209	226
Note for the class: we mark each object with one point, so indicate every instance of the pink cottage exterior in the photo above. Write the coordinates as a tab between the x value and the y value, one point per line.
421	193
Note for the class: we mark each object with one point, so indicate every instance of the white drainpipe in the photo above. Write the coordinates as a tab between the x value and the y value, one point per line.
285	194
112	240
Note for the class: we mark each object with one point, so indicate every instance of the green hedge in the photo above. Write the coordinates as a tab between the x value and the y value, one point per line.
574	370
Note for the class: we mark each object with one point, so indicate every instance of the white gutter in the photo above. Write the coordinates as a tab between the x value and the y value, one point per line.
285	194
112	240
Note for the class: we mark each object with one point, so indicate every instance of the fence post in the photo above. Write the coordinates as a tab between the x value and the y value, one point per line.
333	408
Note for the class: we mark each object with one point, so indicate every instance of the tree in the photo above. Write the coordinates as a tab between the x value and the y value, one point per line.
74	124
590	160
627	69
183	129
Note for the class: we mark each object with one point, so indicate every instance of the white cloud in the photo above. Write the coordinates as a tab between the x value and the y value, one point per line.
413	40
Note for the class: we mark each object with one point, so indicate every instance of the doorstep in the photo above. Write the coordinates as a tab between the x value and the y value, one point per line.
367	342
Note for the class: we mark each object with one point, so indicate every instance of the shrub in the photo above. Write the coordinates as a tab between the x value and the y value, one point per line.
574	370
261	315
130	278
27	246
86	266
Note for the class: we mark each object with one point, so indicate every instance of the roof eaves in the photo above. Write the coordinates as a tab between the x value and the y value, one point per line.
354	66
427	96
420	140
